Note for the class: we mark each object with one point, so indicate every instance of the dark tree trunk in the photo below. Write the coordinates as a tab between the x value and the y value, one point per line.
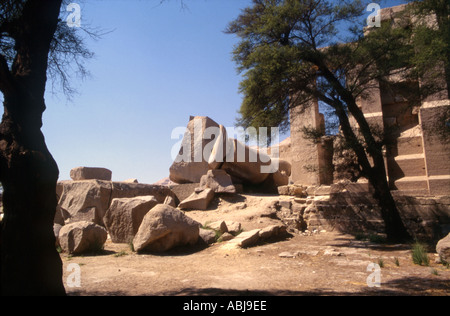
394	228
30	264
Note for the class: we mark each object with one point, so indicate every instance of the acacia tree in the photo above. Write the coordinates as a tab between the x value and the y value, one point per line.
294	51
432	44
35	43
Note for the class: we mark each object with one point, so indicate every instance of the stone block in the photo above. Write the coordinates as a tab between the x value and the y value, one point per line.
199	200
88	173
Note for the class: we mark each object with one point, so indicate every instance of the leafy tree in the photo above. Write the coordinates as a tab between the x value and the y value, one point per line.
294	51
432	43
431	39
34	43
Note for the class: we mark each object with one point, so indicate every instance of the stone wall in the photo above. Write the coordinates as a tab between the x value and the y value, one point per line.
436	150
311	161
416	156
426	218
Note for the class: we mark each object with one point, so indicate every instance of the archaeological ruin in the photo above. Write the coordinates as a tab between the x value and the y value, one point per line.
308	187
417	159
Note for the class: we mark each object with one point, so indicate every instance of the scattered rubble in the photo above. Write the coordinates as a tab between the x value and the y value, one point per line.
199	200
152	217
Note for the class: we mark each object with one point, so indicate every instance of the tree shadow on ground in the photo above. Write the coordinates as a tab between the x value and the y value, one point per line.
231	198
408	286
178	251
352	242
93	253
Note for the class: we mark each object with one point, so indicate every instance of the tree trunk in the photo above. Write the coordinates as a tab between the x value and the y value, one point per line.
30	262
396	231
394	228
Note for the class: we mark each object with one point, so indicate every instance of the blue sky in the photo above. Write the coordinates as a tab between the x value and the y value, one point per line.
160	65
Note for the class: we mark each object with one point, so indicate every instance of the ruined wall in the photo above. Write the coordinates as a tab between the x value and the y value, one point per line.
426	218
311	161
436	149
416	155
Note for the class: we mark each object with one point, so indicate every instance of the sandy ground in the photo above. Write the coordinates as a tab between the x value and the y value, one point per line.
328	263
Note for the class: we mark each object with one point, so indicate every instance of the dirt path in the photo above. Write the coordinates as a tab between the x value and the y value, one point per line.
322	264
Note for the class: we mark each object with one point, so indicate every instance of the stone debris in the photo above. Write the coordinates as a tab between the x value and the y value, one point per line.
90	199
246	239
164	228
296	254
208	236
233	228
88	173
121	207
225	237
443	249
199	200
82	237
217	180
287	255
219	226
256	236
124	217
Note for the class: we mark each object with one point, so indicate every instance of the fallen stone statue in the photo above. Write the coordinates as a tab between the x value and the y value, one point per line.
206	146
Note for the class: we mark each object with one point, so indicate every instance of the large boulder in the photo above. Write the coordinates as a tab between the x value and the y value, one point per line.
183	191
82	237
82	200
164	228
89	200
191	162
125	215
87	173
443	248
199	200
130	190
219	181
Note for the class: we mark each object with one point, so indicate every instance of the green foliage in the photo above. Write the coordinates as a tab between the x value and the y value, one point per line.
217	233
420	255
282	52
295	51
373	238
434	272
286	45
432	33
120	254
